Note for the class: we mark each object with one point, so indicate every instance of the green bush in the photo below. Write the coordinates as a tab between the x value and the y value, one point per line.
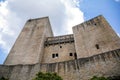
114	78
98	78
3	78
47	76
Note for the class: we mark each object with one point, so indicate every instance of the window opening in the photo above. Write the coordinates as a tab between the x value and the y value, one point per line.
53	55
97	46
60	46
70	54
56	55
75	55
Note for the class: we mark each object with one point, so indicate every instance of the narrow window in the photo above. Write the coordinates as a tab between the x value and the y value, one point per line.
60	46
53	55
75	55
57	55
97	46
70	54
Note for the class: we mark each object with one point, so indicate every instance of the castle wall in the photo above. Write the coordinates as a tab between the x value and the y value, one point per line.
60	48
63	51
105	64
94	37
96	44
29	47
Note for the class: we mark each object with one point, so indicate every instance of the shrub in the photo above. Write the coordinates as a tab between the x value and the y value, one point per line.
47	76
3	78
98	78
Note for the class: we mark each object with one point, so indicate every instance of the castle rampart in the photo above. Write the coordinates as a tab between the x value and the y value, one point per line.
103	64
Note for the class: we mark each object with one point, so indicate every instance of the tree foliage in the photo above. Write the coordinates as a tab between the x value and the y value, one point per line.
47	76
3	78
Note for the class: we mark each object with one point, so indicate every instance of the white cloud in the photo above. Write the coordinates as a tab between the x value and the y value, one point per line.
8	27
73	15
63	15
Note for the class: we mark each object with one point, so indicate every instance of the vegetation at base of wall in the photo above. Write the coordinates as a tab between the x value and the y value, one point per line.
104	78
98	78
114	78
3	78
47	76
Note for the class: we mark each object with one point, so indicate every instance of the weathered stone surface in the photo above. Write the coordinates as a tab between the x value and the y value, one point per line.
92	32
63	46
92	49
80	69
29	47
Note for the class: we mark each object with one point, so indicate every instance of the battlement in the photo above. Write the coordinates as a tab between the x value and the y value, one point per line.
59	40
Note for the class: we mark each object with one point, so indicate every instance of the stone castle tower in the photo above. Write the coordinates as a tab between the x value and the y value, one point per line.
29	47
92	47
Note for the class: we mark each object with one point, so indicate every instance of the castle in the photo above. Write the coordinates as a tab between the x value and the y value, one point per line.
92	49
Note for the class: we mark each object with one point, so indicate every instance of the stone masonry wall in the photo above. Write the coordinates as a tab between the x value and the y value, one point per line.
59	49
29	46
104	64
94	36
63	51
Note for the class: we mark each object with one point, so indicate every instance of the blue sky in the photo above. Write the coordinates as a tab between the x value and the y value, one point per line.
62	13
2	0
110	9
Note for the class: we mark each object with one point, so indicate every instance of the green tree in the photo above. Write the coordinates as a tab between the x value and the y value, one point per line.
47	76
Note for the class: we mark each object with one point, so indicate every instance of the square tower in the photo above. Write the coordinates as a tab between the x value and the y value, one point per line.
29	46
94	37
